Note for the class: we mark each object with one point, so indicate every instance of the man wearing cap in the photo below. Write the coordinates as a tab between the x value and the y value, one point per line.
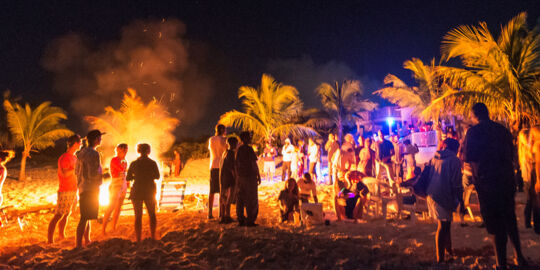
89	177
287	152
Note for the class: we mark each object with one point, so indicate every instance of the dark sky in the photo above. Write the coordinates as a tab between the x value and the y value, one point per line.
369	39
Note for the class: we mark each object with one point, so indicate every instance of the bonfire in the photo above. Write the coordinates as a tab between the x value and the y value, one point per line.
133	123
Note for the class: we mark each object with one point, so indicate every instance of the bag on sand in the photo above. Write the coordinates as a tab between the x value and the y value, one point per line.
312	213
421	186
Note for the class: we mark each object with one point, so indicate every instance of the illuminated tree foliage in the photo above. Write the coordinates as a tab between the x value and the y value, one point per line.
422	98
343	102
504	73
34	129
268	111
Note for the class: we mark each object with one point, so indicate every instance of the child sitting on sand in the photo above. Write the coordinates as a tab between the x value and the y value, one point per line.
288	200
350	199
308	188
143	171
227	181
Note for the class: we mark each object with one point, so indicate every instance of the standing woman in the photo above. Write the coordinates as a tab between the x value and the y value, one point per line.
5	156
118	187
367	159
143	171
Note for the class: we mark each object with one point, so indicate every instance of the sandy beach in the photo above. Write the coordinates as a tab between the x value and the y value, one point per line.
189	241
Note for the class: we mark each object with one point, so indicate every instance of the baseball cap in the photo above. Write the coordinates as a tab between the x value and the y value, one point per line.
94	134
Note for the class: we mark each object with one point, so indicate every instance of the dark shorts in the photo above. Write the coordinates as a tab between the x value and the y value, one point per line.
499	216
349	207
138	206
226	183
89	204
214	181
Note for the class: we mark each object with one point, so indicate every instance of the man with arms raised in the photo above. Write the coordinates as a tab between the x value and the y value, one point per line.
331	147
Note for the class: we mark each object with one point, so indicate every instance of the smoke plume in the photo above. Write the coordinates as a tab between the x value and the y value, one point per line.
306	75
150	56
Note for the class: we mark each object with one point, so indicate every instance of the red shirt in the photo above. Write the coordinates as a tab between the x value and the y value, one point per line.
269	154
67	162
118	167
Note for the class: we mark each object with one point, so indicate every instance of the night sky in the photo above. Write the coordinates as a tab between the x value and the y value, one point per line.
239	40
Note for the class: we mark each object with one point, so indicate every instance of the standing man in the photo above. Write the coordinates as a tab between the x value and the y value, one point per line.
488	147
89	177
269	164
331	147
385	151
314	153
67	190
287	152
217	145
248	181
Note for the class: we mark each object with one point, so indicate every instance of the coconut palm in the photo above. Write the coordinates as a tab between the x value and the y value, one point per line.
34	129
268	111
504	73
342	102
420	98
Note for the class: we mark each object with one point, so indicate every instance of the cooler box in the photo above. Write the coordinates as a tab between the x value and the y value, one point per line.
312	213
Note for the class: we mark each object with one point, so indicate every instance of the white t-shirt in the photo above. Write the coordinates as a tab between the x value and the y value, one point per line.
313	152
307	188
287	153
217	146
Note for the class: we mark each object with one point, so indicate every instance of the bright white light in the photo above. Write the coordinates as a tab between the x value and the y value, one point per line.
104	193
390	121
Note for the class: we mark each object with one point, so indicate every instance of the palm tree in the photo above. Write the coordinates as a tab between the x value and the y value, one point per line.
420	98
268	111
504	73
342	103
34	129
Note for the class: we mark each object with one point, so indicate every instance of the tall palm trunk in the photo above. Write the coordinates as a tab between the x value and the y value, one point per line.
339	114
22	172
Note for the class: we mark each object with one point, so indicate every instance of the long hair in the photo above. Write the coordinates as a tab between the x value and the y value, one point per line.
307	177
291	181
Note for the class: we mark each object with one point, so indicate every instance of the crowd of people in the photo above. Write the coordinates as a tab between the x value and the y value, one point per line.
483	161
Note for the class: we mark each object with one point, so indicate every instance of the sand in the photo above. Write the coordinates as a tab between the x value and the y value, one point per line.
189	241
